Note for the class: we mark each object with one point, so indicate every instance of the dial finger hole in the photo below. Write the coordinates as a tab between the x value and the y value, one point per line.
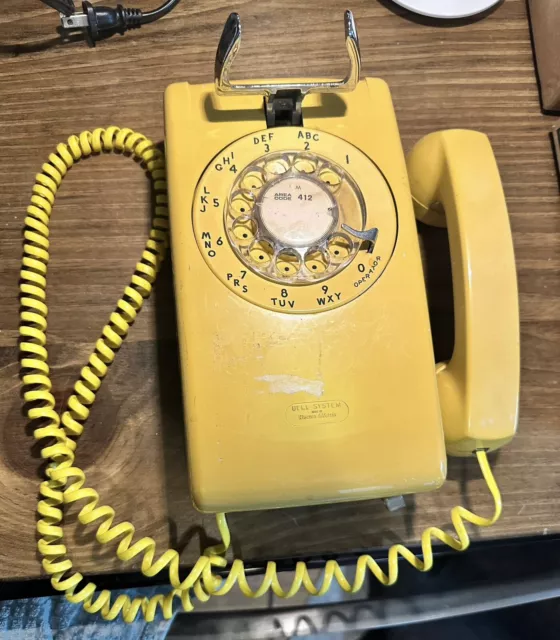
241	203
316	261
261	252
305	164
339	247
276	167
331	177
253	180
287	263
244	230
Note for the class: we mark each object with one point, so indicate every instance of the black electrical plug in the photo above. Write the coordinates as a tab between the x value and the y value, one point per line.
99	22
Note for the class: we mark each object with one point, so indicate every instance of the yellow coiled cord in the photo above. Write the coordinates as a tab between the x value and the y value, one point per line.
66	483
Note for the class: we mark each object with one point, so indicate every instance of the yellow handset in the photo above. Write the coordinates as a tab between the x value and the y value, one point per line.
455	172
305	343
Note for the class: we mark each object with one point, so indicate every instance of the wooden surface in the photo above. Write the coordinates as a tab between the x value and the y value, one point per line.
477	75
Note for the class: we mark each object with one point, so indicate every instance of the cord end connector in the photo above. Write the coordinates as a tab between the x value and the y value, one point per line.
99	23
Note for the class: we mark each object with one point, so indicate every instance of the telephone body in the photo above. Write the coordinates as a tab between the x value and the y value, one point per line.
307	358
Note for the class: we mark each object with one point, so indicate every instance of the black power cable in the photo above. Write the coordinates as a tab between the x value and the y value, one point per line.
65	7
156	14
98	22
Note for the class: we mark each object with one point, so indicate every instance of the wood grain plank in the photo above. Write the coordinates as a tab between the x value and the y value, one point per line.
478	75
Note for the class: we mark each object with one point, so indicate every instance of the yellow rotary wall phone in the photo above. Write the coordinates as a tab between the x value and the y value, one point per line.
305	342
